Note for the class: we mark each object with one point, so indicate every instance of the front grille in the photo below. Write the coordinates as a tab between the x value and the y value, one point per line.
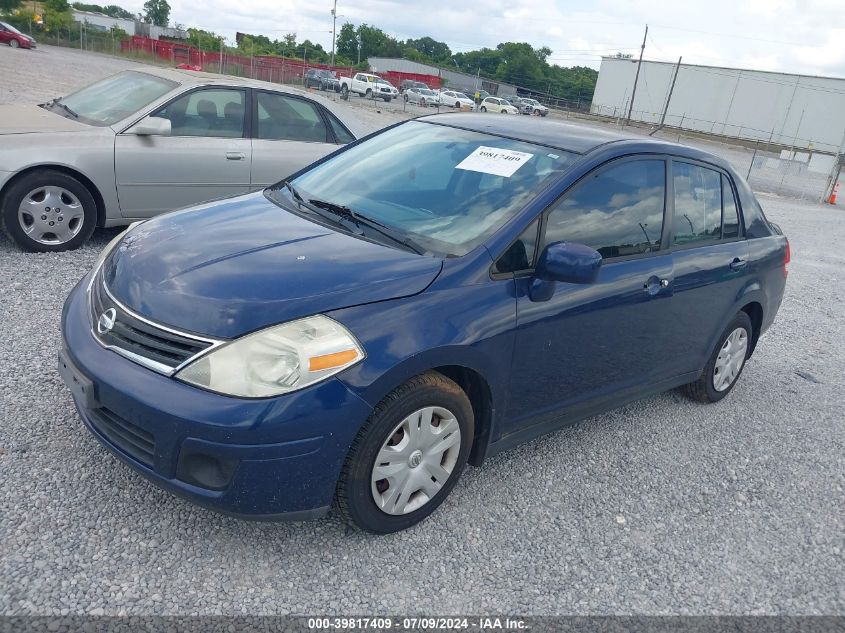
131	439
138	339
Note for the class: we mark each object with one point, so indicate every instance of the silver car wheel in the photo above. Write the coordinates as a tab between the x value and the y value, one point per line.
730	360
51	215
416	460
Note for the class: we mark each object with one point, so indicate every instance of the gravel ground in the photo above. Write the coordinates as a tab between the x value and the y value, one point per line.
664	506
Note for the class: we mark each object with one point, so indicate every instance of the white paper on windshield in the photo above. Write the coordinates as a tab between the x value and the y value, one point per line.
492	160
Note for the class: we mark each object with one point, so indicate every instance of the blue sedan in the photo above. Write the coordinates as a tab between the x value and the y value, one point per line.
423	298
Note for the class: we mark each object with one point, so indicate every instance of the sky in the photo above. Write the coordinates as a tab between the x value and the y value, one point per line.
781	35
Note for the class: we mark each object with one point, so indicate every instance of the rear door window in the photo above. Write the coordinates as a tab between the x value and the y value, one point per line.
281	117
698	204
705	206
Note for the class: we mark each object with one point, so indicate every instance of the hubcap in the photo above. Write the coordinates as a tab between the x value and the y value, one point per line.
730	359
416	460
51	215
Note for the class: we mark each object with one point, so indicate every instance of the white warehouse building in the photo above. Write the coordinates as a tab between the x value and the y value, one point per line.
803	111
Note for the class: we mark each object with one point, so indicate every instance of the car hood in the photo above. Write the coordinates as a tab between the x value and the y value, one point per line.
28	119
233	266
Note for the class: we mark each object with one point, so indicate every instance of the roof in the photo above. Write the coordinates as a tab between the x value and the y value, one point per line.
566	136
613	58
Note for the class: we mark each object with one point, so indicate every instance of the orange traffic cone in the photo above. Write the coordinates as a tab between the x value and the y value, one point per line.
832	199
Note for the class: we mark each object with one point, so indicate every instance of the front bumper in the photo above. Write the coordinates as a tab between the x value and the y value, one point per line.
275	458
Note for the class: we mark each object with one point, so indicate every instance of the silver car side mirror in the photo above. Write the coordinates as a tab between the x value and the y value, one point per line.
151	126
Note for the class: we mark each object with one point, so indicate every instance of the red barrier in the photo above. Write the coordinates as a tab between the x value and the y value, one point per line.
263	67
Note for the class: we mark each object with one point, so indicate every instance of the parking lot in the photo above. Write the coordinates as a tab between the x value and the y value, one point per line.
662	507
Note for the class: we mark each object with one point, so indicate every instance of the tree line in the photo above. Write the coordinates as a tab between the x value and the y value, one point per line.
516	63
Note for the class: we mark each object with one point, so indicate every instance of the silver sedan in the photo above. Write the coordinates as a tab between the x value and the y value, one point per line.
147	141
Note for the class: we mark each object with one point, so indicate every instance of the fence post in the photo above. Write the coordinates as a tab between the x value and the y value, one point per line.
756	145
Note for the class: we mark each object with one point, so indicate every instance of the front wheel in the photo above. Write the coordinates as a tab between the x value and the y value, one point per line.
13	43
369	94
48	211
407	457
483	109
726	362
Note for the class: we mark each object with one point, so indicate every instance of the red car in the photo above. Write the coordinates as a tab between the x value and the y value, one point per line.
14	38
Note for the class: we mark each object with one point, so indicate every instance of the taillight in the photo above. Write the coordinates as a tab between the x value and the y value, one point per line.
787	256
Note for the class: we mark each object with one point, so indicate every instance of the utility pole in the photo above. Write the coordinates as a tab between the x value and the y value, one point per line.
637	76
334	26
668	98
359	49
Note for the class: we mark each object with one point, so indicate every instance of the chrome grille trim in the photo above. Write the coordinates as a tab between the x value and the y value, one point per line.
210	344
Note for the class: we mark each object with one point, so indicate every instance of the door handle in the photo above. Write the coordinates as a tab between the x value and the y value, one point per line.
738	264
235	156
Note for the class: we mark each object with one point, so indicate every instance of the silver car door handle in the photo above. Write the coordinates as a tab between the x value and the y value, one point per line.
235	155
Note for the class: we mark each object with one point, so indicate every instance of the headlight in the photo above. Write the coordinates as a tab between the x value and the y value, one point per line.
277	360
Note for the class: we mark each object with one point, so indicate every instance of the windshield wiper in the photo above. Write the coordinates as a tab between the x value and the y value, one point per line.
374	225
58	102
334	218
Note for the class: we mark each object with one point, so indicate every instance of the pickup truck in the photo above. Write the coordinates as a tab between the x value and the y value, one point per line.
367	85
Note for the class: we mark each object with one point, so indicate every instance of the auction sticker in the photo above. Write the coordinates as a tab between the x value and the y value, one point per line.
492	160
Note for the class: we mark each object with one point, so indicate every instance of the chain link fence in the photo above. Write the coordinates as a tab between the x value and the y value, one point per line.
796	167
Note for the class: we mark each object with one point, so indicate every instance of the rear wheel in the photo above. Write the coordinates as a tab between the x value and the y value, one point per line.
344	92
48	211
725	364
408	456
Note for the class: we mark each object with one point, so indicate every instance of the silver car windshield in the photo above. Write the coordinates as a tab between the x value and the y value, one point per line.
117	97
445	188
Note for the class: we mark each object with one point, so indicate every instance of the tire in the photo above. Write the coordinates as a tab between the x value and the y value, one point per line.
344	92
710	386
386	99
483	109
504	111
457	105
74	220
369	93
387	428
13	43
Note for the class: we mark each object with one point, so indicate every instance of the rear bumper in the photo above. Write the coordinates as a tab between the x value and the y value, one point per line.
275	458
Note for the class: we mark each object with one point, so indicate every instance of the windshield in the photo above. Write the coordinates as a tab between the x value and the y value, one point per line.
461	95
11	28
446	188
427	93
117	97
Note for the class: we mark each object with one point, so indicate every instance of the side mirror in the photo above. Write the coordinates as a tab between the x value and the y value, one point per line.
569	262
151	126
